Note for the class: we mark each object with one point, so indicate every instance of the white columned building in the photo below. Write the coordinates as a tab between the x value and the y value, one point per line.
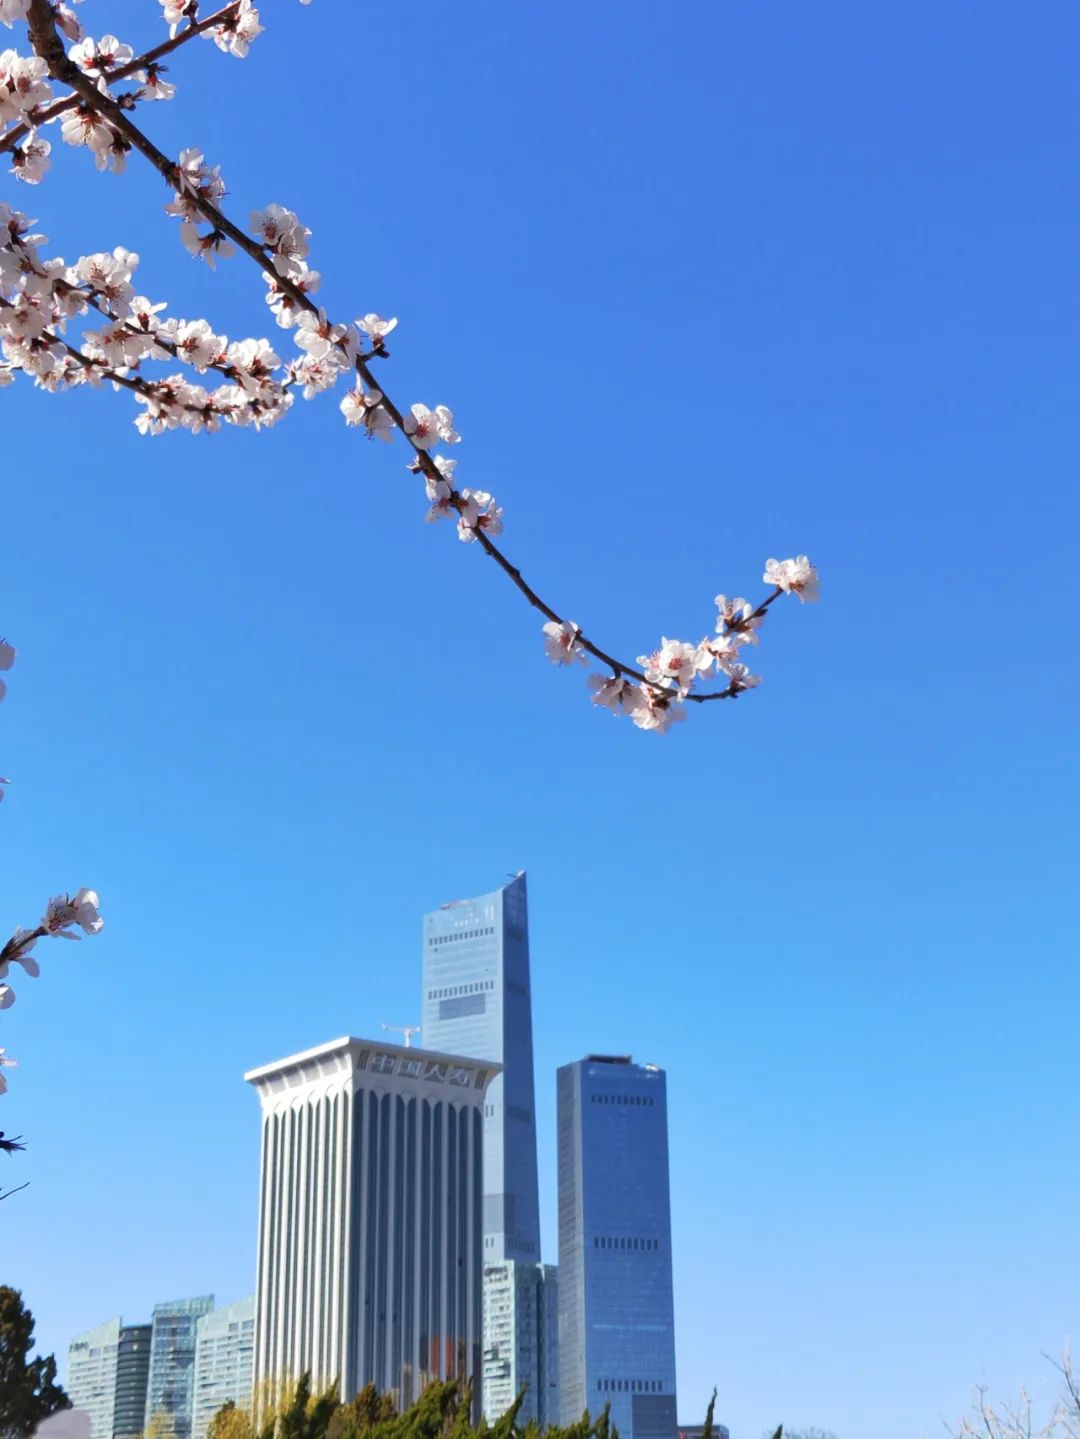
370	1218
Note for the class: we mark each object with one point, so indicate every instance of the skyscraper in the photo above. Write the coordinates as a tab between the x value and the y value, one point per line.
224	1356
171	1384
616	1317
521	1341
476	1000
108	1367
91	1382
370	1217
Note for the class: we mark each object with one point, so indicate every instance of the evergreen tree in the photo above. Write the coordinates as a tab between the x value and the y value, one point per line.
29	1392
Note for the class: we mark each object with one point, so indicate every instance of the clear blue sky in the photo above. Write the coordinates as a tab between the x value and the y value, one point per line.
702	286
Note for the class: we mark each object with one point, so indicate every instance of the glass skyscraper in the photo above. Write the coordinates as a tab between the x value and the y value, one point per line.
477	1001
171	1386
616	1315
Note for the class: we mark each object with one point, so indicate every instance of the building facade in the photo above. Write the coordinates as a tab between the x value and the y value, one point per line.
370	1217
224	1360
108	1369
170	1387
616	1314
91	1381
521	1341
476	1000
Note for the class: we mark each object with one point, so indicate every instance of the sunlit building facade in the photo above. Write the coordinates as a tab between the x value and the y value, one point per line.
224	1358
616	1314
370	1218
521	1341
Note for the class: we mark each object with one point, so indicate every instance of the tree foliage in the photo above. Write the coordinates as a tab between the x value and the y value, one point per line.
29	1392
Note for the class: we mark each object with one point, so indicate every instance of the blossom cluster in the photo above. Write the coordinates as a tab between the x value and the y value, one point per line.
655	700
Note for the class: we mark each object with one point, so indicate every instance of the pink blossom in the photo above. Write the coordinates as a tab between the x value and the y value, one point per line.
425	428
479	512
657	711
30	161
616	694
675	664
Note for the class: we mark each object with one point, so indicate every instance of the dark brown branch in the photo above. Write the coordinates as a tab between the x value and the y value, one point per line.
47	44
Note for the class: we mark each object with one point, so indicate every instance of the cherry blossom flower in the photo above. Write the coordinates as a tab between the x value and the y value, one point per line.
198	345
737	615
177	10
675	664
479	512
365	407
19	947
425	428
316	373
254	361
234	36
6	1063
11	10
67	21
561	643
281	231
794	577
612	692
210	246
7	994
740	678
98	57
285	308
657	711
22	84
152	86
194	178
30	161
316	335
376	329
81	126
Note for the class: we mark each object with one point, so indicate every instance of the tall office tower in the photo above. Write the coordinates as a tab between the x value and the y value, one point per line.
132	1380
108	1369
370	1217
616	1318
224	1356
170	1388
476	1001
521	1341
91	1381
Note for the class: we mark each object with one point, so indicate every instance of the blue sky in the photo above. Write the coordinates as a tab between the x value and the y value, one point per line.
702	287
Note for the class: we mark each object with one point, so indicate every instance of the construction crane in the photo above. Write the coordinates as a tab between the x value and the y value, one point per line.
408	1030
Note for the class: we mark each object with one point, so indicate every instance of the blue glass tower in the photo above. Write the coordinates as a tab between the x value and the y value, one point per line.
477	1002
616	1316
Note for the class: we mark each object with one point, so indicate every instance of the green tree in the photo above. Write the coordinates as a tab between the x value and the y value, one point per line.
29	1392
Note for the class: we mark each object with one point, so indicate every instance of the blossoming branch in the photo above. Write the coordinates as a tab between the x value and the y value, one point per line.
103	84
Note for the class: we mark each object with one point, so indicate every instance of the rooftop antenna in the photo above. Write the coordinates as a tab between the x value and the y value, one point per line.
408	1030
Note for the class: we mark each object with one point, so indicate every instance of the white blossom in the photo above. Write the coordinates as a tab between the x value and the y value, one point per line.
6	1063
794	577
740	678
376	328
13	10
676	664
152	85
286	310
479	512
22	84
561	642
254	361
657	711
67	21
236	34
7	994
316	335
99	57
365	407
21	943
30	160
198	345
195	178
281	231
612	692
85	127
427	427
210	246
737	615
